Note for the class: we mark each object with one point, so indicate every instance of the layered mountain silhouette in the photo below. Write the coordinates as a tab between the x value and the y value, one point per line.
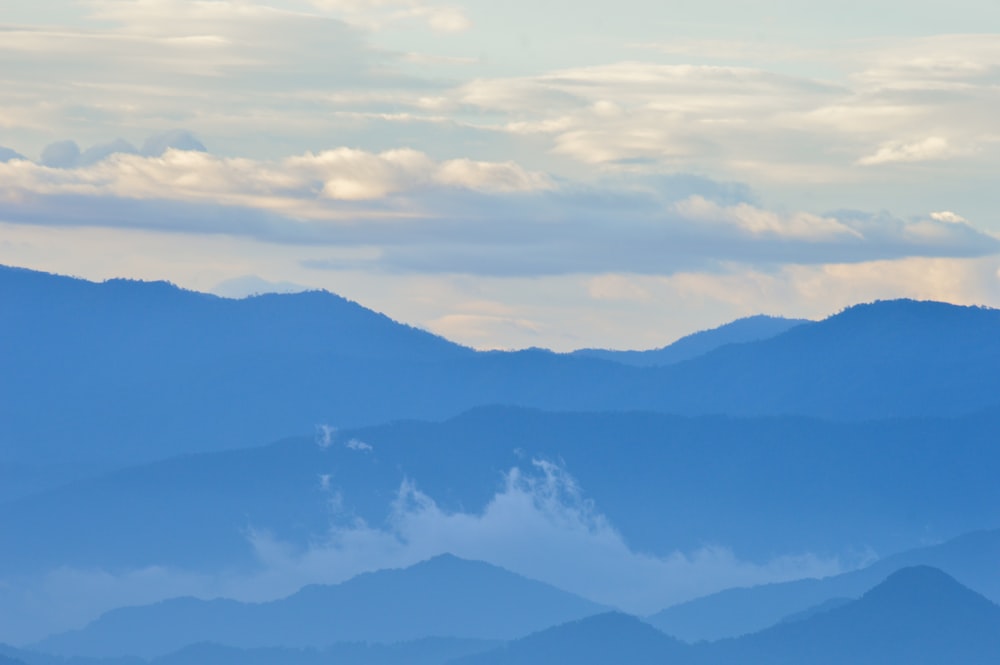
137	423
917	615
129	371
740	331
606	638
427	651
762	486
441	597
972	559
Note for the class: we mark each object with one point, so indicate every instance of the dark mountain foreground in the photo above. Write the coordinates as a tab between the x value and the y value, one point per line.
442	597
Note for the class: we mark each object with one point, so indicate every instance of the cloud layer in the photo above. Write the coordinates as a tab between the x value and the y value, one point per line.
539	524
359	145
454	216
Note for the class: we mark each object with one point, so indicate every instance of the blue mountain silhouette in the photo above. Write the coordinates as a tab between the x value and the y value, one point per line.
761	486
442	597
740	331
128	371
918	615
971	558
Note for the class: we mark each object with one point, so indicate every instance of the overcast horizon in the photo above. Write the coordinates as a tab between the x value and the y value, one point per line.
558	175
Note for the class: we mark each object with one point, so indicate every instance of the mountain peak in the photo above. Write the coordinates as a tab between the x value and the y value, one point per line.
922	585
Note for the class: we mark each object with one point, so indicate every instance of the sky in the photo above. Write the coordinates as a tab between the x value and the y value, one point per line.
556	174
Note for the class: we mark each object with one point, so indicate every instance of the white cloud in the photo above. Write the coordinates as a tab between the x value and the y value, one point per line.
308	186
756	221
378	14
490	177
948	216
539	524
923	150
359	445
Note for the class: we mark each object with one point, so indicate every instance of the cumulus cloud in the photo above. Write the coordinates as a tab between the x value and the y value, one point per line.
420	214
308	186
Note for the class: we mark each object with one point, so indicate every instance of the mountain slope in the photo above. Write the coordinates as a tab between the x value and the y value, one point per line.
918	616
740	331
885	359
125	372
596	640
765	487
441	597
971	559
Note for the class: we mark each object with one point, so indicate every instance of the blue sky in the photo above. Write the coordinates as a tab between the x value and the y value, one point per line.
557	174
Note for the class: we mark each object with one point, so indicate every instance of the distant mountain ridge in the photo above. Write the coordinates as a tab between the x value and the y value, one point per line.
974	559
917	616
102	375
598	640
778	486
442	597
740	331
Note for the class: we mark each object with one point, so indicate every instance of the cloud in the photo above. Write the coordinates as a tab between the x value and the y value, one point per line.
102	151
327	435
928	149
538	524
357	444
309	186
412	213
61	155
177	139
8	155
378	14
616	287
251	285
948	216
756	221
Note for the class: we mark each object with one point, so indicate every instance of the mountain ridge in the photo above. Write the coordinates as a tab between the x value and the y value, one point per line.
444	596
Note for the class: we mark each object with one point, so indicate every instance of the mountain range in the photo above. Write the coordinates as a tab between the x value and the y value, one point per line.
152	433
442	597
121	371
740	331
761	486
917	616
972	559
